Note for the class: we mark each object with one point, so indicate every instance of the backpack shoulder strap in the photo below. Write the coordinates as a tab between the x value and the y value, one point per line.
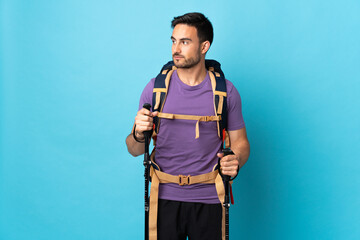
218	83
160	90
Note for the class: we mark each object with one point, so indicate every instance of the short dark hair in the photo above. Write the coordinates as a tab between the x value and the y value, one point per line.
200	22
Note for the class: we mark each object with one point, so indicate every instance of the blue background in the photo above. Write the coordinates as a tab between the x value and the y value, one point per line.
71	76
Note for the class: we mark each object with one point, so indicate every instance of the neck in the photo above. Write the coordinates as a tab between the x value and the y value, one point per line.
194	75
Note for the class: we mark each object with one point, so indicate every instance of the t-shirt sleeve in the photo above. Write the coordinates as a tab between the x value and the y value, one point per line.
235	117
146	96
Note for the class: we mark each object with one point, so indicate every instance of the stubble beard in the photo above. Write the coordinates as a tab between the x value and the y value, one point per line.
188	63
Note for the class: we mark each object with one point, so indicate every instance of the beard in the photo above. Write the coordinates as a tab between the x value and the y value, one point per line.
187	62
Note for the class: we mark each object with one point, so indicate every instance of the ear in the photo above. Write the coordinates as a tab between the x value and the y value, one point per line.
205	47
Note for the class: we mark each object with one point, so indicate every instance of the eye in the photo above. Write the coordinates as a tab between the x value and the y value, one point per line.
173	41
185	42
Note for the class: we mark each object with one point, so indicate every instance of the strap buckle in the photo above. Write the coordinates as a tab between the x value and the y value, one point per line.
205	119
184	180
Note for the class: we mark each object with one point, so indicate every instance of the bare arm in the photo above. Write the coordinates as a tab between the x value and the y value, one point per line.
241	147
143	122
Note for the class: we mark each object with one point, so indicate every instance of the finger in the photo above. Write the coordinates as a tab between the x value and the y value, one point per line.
143	128
228	158
220	155
144	111
142	125
229	163
144	118
154	114
232	168
225	161
229	173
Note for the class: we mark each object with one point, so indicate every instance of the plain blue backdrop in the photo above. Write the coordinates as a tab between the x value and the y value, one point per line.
71	76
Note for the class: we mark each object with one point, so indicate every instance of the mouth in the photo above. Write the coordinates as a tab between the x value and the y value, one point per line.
177	57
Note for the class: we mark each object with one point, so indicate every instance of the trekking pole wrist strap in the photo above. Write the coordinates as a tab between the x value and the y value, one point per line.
136	139
237	172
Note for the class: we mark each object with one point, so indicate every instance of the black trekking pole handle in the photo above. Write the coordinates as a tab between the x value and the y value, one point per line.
147	135
226	178
149	132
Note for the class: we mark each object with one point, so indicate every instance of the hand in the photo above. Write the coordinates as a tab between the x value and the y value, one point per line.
143	122
229	164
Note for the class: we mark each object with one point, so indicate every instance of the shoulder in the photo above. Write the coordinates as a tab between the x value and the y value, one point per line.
149	87
234	108
229	85
233	96
146	95
230	88
150	84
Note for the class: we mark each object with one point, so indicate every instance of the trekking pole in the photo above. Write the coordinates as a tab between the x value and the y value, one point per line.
226	179
147	163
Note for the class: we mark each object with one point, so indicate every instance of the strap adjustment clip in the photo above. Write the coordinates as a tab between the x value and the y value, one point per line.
184	180
207	119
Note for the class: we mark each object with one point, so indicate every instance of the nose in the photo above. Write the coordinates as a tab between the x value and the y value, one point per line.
176	48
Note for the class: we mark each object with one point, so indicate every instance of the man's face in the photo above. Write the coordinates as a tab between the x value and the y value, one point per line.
186	47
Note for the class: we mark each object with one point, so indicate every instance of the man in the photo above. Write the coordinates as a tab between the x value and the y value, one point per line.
191	210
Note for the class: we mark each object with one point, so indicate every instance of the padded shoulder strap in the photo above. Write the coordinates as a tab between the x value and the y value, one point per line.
214	66
220	94
160	90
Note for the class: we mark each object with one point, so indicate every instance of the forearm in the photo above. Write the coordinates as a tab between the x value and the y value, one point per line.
242	151
135	148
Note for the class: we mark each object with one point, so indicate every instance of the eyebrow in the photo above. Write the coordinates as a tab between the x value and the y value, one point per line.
182	39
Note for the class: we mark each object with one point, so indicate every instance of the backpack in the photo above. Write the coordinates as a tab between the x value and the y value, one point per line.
160	90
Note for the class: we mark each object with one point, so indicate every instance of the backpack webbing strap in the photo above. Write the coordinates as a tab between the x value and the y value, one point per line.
220	104
162	89
218	83
190	117
158	177
220	189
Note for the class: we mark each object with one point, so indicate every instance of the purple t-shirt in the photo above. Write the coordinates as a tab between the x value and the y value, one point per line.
177	151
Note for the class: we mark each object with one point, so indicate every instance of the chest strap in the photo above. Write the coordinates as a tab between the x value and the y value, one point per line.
158	177
190	117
